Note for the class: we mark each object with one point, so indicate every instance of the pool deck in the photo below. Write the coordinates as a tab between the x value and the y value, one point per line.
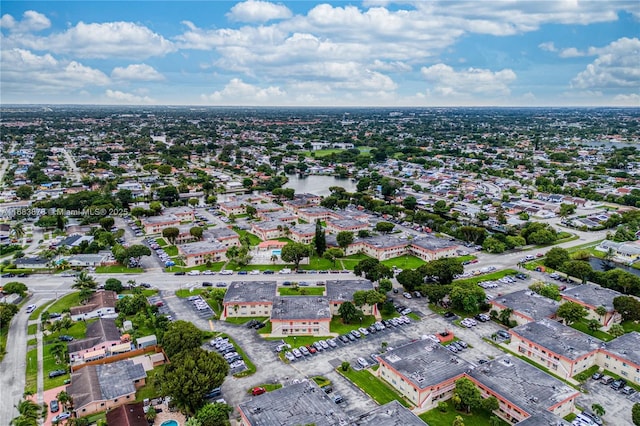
167	415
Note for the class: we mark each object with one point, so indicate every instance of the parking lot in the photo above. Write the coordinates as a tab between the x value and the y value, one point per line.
616	404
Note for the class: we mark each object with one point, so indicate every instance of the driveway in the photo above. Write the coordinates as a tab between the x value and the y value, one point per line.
616	404
49	396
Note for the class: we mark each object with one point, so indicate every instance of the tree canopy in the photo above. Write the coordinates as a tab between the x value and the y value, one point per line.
295	252
181	335
571	312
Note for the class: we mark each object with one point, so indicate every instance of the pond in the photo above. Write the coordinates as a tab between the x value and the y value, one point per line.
318	184
601	265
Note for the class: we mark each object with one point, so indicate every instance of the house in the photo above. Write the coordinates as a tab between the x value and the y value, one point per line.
300	316
101	304
87	260
201	252
101	336
626	251
591	296
339	292
75	241
32	262
155	224
185	214
249	299
270	230
96	388
431	248
304	233
128	415
526	306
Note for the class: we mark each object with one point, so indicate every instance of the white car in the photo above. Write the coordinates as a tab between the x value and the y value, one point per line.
208	272
297	353
363	362
194	272
289	356
226	272
407	295
254	272
363	331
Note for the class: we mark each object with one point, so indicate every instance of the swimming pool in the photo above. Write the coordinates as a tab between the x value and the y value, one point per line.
276	252
169	423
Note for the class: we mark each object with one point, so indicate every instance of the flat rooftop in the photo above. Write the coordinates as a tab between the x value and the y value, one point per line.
300	307
301	403
626	346
250	291
433	243
544	418
425	363
522	384
558	338
201	247
343	290
390	414
529	303
593	295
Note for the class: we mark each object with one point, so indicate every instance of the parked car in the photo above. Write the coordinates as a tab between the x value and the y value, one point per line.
258	391
65	338
57	373
54	406
363	362
180	273
597	375
311	349
207	284
62	416
289	356
628	390
618	384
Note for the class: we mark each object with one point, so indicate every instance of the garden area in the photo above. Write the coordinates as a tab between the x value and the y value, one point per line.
404	262
378	390
301	291
337	325
437	417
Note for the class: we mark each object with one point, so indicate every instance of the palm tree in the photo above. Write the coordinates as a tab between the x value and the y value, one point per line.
65	399
84	280
59	352
18	230
23	421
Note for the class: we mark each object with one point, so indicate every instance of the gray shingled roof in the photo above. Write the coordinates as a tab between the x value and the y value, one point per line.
523	384
102	330
343	290
298	404
250	291
425	363
529	303
390	414
593	295
300	307
201	247
84	387
558	338
544	418
116	379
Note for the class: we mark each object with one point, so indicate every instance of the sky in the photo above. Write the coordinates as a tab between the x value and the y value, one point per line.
311	53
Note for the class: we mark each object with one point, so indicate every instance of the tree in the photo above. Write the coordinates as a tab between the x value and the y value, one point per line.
493	245
467	298
216	414
345	365
295	252
385	227
171	233
113	284
490	404
628	307
593	324
443	270
164	169
635	414
616	330
440	207
601	311
17	230
373	270
251	211
468	393
59	352
578	268
598	409
457	421
348	312
320	240
367	297
107	223
556	257
196	232
24	192
410	279
193	202
505	315
64	399
191	374
435	293
181	336
86	284
566	210
332	254
344	239
571	312
193	421
410	203
15	287
385	285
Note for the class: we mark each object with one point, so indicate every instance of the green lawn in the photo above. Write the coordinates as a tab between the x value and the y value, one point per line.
244	320
171	251
630	326
32	329
118	269
32	342
267	386
32	371
437	418
161	242
404	262
378	390
320	263
184	293
77	331
65	302
487	277
321	152
337	326
350	262
301	291
49	364
36	314
599	334
266	329
151	389
253	239
466	258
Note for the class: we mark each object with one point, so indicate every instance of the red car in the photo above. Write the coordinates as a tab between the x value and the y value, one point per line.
311	349
258	391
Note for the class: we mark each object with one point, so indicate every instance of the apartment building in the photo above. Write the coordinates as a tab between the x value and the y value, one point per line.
249	299
526	306
300	316
591	296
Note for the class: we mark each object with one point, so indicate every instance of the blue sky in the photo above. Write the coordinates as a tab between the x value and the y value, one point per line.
308	53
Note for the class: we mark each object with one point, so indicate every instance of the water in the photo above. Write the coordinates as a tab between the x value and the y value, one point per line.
597	265
318	184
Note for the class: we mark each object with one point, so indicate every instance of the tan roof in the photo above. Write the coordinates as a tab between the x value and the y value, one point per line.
127	415
99	299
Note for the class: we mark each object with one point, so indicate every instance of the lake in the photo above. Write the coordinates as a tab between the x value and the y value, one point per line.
318	184
597	265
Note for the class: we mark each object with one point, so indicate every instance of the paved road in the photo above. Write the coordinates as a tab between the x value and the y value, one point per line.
72	165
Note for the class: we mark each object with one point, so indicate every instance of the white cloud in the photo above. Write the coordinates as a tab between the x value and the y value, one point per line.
258	11
31	21
23	70
119	97
472	81
98	40
392	66
138	72
617	66
571	52
237	92
548	46
632	99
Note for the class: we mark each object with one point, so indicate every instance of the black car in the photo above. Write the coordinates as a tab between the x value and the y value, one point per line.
180	273
449	315
207	284
57	373
8	275
343	339
251	323
618	384
145	285
54	406
66	338
268	272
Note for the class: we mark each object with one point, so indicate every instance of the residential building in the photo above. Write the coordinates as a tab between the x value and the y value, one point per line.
621	356
96	388
350	225
87	260
300	316
32	262
127	415
233	208
311	214
185	214
526	306
390	414
591	296
626	251
225	236
155	224
249	299
339	292
430	248
101	304
201	252
101	337
303	233
270	230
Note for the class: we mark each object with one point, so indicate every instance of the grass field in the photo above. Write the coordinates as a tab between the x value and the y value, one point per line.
118	269
171	251
162	242
77	331
244	320
253	239
404	262
49	364
598	334
486	277
378	390
36	314
350	262
321	152
32	329
32	371
151	389
301	291
65	302
436	417
319	263
337	326
267	386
